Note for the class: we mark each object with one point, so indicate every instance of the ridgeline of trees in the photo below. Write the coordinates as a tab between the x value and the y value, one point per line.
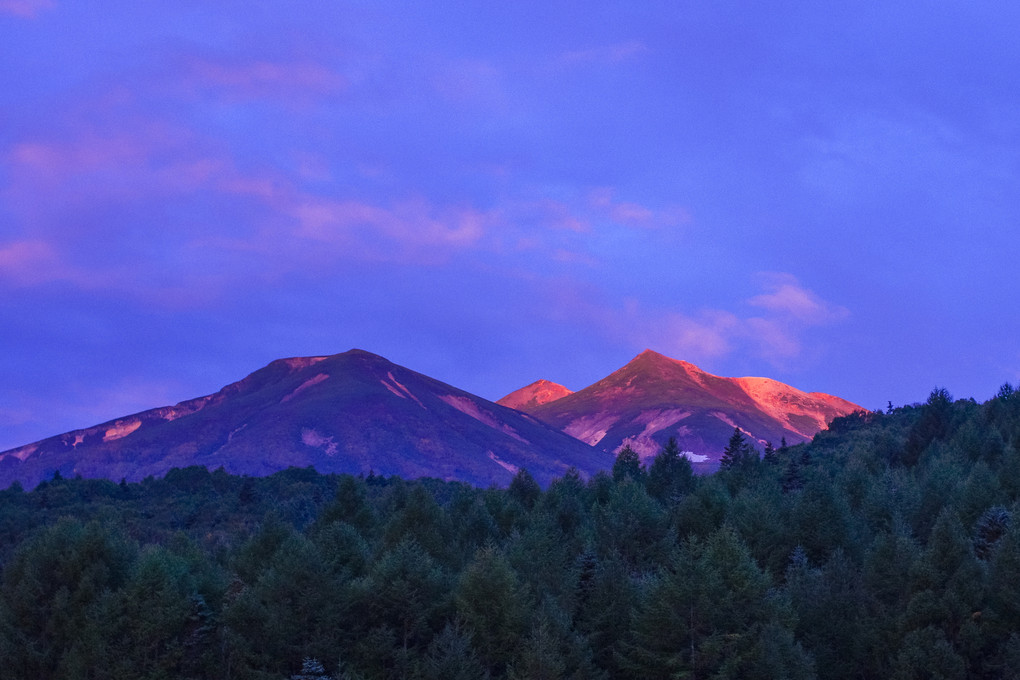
889	547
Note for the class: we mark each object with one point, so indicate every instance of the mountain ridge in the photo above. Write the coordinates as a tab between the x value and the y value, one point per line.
537	393
352	412
358	412
654	397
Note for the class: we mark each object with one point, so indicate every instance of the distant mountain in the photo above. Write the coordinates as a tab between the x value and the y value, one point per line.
353	412
654	397
537	393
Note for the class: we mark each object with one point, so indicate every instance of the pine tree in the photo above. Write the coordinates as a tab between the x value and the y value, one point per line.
628	464
670	475
525	489
737	451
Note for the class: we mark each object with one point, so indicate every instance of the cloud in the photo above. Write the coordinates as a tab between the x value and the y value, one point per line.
787	298
602	201
409	225
711	335
26	9
775	340
156	211
34	262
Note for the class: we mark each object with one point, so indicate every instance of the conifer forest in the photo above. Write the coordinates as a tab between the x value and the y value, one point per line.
887	547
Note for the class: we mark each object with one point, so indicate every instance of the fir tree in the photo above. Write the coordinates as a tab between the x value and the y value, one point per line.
628	464
737	451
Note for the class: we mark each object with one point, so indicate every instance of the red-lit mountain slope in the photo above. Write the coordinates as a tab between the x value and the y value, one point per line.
537	393
654	397
353	412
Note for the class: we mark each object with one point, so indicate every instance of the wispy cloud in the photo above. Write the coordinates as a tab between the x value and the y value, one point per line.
26	9
29	262
628	213
103	181
787	298
711	335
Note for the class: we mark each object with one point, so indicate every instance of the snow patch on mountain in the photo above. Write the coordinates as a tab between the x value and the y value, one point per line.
591	429
725	418
654	420
470	408
185	408
400	390
298	363
315	380
22	452
318	440
121	429
509	467
657	420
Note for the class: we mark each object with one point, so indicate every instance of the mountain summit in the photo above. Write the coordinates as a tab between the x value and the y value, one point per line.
353	412
537	393
655	397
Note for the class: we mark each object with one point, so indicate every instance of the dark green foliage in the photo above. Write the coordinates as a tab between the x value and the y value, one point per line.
524	489
934	424
884	548
628	464
989	529
737	452
670	476
494	606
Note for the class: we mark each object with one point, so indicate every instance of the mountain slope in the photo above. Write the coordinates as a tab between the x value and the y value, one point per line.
537	393
654	397
353	412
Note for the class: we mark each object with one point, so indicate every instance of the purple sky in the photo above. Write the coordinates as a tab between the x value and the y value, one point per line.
492	193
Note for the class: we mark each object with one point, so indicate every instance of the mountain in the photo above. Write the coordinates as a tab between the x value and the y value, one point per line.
537	393
654	397
353	412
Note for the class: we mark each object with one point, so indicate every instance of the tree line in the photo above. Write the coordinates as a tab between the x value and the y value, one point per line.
884	548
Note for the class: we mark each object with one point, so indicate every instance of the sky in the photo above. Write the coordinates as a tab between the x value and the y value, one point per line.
491	193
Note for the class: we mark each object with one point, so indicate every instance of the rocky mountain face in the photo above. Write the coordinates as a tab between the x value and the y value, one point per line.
353	412
654	398
537	393
359	413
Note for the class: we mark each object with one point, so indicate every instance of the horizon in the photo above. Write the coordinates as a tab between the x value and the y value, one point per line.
496	195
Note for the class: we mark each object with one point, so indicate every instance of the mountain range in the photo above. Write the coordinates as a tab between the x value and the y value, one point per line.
359	413
654	398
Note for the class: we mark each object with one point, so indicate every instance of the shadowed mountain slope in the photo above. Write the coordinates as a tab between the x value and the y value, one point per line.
354	412
654	397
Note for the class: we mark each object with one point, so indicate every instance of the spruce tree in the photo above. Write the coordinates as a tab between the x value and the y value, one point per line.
736	451
628	464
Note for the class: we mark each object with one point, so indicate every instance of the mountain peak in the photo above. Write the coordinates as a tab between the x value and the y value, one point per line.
537	393
351	412
654	397
653	358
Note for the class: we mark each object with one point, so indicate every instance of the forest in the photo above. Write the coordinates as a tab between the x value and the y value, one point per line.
884	548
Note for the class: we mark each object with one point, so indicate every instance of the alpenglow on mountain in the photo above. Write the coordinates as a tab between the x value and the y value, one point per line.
654	398
358	413
354	412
